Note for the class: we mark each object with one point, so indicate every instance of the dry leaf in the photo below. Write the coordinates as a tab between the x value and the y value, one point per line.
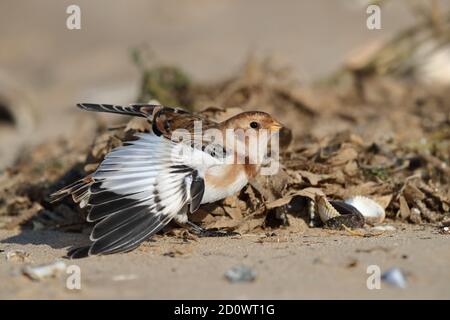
313	178
343	156
404	208
234	213
412	193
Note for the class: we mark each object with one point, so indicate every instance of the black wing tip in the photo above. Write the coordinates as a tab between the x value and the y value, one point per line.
89	106
197	190
79	252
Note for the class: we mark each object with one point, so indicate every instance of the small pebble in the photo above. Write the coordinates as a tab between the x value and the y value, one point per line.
240	274
395	277
445	230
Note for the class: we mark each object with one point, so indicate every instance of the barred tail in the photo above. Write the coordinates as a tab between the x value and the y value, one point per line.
140	110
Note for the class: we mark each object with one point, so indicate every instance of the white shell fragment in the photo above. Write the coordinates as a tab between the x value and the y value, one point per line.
371	210
240	274
125	277
395	277
44	271
325	210
383	228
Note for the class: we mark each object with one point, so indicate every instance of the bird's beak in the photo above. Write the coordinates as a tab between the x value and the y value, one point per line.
276	126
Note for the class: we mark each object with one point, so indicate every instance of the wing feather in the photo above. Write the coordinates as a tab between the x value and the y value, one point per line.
138	189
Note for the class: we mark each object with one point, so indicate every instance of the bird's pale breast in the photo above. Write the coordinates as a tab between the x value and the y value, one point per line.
223	181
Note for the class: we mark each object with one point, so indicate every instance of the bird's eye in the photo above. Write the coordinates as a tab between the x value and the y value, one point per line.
254	125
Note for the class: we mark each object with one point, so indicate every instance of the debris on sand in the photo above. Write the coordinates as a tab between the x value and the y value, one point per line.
384	228
44	271
125	277
179	251
394	277
240	274
444	230
370	209
19	256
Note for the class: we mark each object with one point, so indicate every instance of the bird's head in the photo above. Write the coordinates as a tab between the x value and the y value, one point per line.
256	120
252	132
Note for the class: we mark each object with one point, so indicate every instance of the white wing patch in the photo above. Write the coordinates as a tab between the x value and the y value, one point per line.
140	187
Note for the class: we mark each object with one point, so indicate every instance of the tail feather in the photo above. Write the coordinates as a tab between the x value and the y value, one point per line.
140	110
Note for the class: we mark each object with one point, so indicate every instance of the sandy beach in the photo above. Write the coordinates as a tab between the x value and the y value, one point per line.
313	265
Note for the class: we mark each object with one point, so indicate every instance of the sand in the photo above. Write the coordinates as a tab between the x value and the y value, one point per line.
317	264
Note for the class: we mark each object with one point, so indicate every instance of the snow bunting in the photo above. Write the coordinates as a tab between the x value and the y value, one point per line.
186	161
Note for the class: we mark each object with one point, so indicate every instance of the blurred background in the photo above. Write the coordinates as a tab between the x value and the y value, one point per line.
45	69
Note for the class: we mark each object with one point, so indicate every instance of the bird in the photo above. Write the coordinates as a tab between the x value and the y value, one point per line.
147	182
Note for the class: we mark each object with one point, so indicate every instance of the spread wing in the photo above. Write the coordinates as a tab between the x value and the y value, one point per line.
137	190
166	121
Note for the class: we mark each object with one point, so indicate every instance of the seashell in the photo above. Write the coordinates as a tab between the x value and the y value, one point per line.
325	210
336	214
395	277
311	212
371	210
44	271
